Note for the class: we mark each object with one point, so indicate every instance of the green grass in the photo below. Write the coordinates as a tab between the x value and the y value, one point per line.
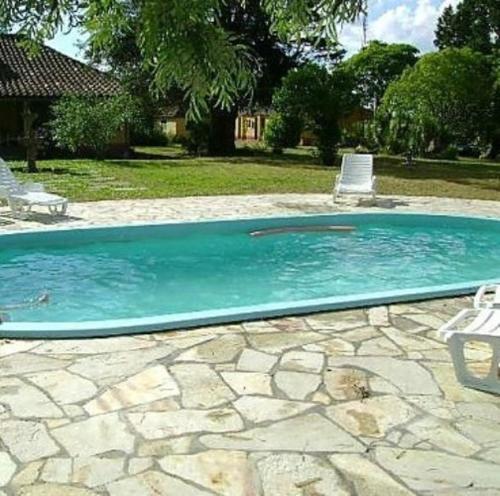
166	172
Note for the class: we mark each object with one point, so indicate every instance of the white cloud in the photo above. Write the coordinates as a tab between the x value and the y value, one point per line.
408	22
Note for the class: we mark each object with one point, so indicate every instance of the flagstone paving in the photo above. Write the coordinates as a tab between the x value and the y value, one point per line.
196	208
304	406
361	402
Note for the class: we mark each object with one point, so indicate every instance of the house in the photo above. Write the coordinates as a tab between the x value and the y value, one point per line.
250	125
31	83
171	121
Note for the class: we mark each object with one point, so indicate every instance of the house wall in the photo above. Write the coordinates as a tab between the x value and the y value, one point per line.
173	127
250	127
11	122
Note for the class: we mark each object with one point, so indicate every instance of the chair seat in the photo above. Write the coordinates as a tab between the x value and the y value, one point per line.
39	198
356	188
474	325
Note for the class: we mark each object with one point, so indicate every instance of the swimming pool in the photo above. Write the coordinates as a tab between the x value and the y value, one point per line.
140	278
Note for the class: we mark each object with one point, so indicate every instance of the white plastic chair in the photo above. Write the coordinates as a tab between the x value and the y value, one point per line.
21	197
356	176
481	324
488	297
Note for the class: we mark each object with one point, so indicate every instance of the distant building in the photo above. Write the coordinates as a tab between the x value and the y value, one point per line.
250	126
171	122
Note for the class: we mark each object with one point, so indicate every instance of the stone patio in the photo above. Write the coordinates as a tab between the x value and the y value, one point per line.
361	402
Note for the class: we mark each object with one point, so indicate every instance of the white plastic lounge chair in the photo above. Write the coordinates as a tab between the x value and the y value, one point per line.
356	176
488	297
21	197
480	325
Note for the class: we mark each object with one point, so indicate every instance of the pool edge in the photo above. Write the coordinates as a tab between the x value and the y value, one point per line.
106	328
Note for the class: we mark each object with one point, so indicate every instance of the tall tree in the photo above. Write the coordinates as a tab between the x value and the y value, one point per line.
472	23
445	99
188	42
476	24
270	61
315	99
250	22
376	66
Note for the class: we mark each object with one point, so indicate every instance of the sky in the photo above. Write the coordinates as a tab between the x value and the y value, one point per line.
410	21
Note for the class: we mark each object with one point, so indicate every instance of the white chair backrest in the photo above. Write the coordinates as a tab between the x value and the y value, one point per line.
357	169
9	185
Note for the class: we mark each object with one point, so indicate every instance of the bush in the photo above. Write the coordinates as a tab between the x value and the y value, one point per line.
149	137
91	123
445	99
196	141
449	153
282	131
319	100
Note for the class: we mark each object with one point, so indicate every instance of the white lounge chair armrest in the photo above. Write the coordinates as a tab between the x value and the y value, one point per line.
34	187
479	296
448	329
374	181
480	300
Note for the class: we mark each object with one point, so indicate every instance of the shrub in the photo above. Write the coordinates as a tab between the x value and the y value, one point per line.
449	153
91	123
282	131
196	141
150	136
319	100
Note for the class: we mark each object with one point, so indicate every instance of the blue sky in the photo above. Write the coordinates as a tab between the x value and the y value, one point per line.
411	21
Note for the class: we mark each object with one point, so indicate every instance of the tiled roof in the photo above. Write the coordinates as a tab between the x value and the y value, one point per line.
47	74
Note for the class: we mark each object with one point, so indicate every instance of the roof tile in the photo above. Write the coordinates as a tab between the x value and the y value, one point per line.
47	74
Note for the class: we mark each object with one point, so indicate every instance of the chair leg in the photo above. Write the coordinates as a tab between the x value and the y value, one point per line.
19	210
491	382
58	209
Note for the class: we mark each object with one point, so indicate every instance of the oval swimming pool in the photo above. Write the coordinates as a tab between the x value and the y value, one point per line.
138	278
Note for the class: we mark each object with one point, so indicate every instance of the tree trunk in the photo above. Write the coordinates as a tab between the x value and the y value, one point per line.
494	149
221	139
30	142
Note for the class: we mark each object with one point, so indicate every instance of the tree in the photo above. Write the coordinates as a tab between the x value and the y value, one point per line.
123	58
473	23
91	123
318	99
445	99
376	66
494	128
271	59
187	42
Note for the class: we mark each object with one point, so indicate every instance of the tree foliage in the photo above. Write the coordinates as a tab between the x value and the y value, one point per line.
91	123
185	41
318	100
376	66
445	99
282	131
472	23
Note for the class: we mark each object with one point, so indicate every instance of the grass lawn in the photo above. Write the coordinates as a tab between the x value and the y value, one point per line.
166	172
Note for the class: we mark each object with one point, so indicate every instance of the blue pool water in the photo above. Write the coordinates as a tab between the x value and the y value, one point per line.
163	276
